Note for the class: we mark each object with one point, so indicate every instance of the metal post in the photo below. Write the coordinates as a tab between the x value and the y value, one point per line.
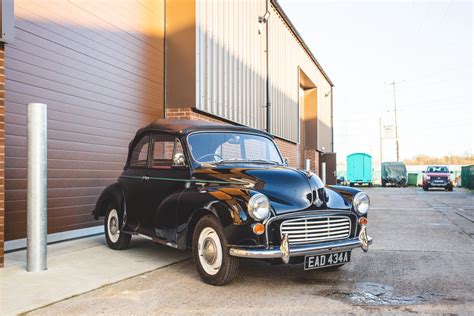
267	68
37	224
396	120
323	172
307	165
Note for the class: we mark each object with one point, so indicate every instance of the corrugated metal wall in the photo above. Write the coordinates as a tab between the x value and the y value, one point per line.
284	59
230	60
286	55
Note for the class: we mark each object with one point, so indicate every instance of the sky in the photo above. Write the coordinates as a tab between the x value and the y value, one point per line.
425	47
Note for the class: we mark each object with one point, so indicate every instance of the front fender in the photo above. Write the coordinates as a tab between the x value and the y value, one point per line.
347	193
228	204
113	192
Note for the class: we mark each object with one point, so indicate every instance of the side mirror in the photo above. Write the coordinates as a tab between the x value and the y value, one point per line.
179	160
451	171
287	161
423	171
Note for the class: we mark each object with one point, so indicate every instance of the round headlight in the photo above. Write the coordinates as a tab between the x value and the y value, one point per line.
259	207
361	203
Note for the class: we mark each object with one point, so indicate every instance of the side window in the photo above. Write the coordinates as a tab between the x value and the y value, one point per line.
140	153
167	152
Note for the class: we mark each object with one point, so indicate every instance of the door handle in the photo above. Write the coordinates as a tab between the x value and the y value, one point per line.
146	178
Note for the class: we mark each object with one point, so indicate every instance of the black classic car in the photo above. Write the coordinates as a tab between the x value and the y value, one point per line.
225	192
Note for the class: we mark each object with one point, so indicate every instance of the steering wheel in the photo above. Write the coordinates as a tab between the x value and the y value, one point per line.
211	155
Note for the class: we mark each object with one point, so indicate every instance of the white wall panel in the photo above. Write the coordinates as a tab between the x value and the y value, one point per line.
230	56
286	55
231	71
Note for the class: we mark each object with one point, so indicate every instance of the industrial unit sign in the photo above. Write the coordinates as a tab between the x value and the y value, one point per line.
388	131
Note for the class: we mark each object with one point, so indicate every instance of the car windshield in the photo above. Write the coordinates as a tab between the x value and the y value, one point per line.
437	169
228	147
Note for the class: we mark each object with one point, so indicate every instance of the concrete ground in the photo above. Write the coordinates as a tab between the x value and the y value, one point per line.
76	267
421	261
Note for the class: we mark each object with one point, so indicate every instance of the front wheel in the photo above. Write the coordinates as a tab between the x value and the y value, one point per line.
213	262
112	225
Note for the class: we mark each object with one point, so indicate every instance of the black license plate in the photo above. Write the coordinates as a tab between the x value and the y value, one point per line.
326	260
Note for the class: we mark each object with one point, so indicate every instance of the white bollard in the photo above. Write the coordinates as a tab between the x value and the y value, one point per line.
307	165
37	212
323	172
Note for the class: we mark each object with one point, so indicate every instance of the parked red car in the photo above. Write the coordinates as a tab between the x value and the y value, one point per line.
437	177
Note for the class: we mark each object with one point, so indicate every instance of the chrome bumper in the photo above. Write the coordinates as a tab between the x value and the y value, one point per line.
285	251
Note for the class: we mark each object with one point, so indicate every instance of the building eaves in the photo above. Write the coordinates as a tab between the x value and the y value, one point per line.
277	6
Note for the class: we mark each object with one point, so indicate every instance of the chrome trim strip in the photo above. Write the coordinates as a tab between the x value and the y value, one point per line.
298	250
181	180
158	240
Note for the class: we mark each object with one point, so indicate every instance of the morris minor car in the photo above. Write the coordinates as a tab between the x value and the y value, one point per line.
225	192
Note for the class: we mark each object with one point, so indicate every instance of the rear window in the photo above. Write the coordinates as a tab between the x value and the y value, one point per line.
140	153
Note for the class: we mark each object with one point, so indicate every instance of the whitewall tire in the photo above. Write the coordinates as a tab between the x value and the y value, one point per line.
112	225
210	252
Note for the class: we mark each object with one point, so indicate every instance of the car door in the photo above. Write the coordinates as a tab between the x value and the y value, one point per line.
168	175
134	180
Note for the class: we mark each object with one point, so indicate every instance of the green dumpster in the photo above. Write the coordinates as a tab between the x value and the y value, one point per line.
412	179
467	176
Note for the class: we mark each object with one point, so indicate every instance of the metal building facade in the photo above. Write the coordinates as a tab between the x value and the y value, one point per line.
231	70
230	60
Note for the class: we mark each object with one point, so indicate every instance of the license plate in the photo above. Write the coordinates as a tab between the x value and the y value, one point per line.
326	260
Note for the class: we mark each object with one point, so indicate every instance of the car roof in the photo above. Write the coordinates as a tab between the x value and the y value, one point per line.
176	126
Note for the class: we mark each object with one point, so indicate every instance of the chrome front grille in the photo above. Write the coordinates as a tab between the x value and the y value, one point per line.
316	229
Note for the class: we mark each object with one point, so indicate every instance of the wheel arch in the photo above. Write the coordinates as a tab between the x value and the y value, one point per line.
112	193
197	215
224	214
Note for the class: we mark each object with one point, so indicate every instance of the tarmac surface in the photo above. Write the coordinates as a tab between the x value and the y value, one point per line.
421	261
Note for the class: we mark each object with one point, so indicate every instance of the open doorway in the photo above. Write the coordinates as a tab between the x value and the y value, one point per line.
308	123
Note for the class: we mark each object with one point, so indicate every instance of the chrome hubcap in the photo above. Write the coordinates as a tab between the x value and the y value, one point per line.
210	251
113	226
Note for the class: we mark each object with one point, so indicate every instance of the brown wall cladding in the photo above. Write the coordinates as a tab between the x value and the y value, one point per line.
289	150
99	67
2	153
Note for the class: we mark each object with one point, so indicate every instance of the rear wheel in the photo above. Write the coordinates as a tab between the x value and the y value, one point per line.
112	225
384	183
425	188
211	257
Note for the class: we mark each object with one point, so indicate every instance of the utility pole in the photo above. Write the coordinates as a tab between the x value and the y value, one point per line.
380	132
396	120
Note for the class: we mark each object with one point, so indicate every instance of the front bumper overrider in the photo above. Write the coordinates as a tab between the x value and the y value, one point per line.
285	251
